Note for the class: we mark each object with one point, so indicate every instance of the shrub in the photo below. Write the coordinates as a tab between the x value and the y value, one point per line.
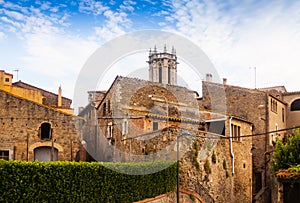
207	168
288	154
81	182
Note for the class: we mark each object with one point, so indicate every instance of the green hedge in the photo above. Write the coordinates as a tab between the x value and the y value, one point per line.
82	182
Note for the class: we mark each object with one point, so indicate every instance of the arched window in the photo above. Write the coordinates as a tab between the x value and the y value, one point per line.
295	106
160	74
45	131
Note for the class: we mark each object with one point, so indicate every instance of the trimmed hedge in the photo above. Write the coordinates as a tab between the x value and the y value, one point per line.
82	181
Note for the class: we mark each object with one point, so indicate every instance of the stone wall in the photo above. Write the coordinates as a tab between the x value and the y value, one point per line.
20	122
141	103
252	105
293	117
176	111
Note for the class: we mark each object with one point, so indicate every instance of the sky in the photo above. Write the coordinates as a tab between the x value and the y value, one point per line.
49	42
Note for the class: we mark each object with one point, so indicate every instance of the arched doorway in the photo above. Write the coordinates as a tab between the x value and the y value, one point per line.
45	154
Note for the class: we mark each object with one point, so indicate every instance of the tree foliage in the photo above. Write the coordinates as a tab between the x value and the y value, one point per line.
287	154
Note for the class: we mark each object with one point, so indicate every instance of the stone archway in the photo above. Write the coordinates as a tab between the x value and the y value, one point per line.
45	153
47	144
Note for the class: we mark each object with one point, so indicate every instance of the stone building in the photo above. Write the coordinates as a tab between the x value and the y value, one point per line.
270	110
142	120
35	94
35	124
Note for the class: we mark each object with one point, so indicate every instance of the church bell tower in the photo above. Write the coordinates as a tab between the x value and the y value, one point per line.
163	66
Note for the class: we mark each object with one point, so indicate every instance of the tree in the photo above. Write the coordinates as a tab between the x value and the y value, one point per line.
287	154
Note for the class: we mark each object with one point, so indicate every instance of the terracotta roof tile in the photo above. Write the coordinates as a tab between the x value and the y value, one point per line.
287	174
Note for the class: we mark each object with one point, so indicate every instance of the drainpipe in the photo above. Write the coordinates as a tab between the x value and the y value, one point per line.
231	150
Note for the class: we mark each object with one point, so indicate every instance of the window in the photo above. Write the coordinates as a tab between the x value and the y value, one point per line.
4	154
155	126
110	130
6	79
236	132
283	115
295	106
169	75
104	109
108	106
160	74
110	134
257	181
274	105
45	131
125	127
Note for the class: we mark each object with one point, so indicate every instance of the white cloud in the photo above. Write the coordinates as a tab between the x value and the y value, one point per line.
2	36
238	35
116	24
59	58
151	2
22	20
92	7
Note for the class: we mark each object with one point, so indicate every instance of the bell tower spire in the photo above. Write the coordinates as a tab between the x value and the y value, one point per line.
163	66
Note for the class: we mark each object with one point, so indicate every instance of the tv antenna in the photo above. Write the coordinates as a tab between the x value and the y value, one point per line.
17	70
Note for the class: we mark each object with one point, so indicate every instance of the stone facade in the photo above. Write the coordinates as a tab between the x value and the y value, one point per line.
225	166
269	109
21	130
142	120
293	114
35	94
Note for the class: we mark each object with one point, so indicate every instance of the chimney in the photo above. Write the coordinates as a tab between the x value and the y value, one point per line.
59	97
208	77
224	81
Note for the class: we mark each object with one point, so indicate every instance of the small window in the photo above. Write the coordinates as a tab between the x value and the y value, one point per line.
4	154
108	106
110	130
244	165
45	131
169	75
125	127
283	114
104	109
155	126
6	79
160	74
236	132
274	105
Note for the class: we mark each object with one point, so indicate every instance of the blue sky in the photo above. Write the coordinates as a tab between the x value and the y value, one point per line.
49	41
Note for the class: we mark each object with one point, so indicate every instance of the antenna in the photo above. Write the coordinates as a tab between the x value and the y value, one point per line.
17	70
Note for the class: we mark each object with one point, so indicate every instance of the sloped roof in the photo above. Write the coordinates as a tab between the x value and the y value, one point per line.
287	174
279	88
42	105
20	83
124	80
